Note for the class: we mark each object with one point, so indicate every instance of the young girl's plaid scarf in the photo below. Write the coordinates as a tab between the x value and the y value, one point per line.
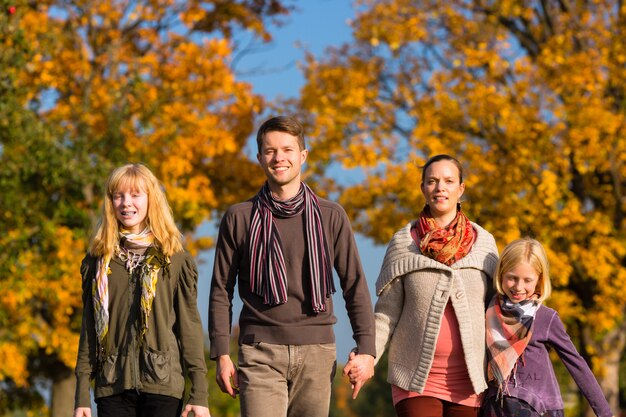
509	329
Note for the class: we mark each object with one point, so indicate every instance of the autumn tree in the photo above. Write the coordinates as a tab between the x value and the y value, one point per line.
41	279
86	86
530	96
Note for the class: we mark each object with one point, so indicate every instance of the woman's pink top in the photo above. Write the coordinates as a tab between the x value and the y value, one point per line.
448	378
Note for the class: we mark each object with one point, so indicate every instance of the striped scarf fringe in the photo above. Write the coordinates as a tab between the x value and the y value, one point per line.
268	277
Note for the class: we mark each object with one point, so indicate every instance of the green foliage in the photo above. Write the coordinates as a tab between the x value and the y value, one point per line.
220	404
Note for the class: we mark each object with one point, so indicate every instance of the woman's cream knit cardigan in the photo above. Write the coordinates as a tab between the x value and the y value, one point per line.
413	291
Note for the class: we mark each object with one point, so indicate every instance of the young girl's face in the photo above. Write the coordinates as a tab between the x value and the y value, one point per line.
131	209
520	282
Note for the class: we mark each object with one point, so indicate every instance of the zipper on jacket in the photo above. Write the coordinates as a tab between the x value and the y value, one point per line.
134	349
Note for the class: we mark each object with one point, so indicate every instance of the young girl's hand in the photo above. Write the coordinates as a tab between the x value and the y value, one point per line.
82	412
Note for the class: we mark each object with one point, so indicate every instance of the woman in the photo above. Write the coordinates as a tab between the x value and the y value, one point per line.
141	326
431	292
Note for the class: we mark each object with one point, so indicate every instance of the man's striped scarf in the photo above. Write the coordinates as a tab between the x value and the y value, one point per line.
268	277
509	329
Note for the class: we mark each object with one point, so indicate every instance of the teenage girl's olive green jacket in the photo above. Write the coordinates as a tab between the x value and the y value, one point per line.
173	343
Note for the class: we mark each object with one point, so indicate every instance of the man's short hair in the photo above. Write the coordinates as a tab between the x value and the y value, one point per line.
285	124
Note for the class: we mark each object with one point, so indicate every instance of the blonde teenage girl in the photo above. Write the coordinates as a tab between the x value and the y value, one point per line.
141	331
520	330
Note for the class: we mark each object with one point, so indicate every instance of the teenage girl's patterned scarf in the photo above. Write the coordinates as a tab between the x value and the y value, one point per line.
509	329
136	250
444	244
268	276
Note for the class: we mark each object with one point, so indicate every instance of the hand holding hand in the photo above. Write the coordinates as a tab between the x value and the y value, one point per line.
360	368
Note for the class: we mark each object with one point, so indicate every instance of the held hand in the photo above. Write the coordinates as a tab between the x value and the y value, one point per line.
360	368
226	376
350	368
353	369
197	410
82	412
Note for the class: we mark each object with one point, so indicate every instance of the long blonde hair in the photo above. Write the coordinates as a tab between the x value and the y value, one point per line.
525	250
136	177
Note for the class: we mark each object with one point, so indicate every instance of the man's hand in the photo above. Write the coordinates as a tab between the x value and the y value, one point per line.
197	410
226	375
360	368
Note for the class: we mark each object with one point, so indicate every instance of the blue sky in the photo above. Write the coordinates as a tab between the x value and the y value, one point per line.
313	26
316	25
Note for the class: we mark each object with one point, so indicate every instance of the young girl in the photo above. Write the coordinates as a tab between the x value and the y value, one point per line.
520	330
141	326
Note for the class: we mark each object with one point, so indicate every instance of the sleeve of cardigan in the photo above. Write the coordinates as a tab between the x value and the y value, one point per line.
190	331
86	359
387	312
577	367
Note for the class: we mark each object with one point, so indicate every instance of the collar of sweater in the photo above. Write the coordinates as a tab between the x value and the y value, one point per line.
403	256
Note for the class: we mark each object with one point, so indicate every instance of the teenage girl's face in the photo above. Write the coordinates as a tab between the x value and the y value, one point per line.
520	282
131	209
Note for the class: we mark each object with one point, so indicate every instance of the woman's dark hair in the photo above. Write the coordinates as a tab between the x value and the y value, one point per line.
443	157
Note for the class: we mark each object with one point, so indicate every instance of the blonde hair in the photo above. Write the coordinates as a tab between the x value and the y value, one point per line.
136	177
530	251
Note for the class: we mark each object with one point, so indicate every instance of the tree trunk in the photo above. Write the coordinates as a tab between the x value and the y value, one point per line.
63	387
614	344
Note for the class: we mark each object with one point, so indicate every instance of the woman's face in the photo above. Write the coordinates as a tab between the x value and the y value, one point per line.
131	209
442	189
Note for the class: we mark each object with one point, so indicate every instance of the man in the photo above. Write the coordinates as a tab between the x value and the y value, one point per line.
282	245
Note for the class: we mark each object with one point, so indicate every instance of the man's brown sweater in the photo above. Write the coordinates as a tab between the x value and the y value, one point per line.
293	322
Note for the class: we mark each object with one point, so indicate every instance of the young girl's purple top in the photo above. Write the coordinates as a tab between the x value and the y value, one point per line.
534	380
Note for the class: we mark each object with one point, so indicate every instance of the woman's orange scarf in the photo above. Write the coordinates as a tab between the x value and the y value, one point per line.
444	244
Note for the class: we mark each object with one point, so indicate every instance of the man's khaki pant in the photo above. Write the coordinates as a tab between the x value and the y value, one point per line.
286	380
